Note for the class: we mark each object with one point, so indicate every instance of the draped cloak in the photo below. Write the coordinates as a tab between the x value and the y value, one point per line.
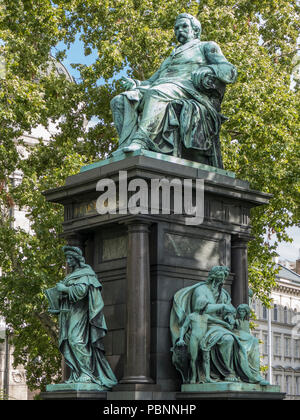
82	328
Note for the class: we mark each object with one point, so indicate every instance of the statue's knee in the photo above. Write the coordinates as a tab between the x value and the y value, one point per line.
228	339
148	94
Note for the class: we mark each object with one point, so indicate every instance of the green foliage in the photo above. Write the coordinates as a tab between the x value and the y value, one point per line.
259	141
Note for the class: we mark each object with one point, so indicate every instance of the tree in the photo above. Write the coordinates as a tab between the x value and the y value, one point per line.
31	96
258	141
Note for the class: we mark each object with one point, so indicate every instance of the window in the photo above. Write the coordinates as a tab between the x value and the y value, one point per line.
287	346
265	343
297	384
288	384
277	345
275	312
277	379
285	315
294	315
297	348
265	313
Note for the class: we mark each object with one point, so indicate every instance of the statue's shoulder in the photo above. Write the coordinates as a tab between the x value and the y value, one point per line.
201	287
85	275
201	291
196	43
211	47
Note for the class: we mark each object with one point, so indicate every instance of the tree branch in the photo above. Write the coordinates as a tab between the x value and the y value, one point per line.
49	326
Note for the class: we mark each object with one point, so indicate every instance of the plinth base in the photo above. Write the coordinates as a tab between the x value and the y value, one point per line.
140	396
125	248
74	391
139	391
229	391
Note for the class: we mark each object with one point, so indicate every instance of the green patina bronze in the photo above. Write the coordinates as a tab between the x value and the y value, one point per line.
119	156
78	302
211	339
177	110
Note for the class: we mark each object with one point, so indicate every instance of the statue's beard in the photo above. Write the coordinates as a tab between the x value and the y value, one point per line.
217	289
182	38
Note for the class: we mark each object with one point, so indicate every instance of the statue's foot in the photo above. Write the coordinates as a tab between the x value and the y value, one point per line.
84	378
263	382
209	380
231	378
71	380
134	146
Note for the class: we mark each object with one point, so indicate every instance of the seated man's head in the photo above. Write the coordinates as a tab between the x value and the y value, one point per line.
217	275
187	28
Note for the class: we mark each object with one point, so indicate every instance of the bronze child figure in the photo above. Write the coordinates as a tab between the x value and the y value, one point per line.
197	323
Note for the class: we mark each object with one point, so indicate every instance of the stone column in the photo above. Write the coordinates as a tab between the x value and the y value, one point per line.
138	327
239	266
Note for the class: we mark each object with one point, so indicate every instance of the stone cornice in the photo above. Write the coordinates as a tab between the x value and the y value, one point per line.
287	289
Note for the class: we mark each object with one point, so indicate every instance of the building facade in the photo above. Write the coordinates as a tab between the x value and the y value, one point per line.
280	334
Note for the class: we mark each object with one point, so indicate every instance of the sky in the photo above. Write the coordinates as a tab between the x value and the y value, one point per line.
291	251
75	55
286	250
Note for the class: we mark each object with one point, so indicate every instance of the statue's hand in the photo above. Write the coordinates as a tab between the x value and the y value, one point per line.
203	78
180	343
209	81
224	324
227	307
127	83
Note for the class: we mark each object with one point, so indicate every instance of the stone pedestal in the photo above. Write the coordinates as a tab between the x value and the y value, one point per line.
143	259
75	391
229	391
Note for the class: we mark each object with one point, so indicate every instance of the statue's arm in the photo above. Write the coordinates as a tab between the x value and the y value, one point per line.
217	67
216	320
214	307
75	291
223	70
183	331
129	84
61	287
213	53
78	292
